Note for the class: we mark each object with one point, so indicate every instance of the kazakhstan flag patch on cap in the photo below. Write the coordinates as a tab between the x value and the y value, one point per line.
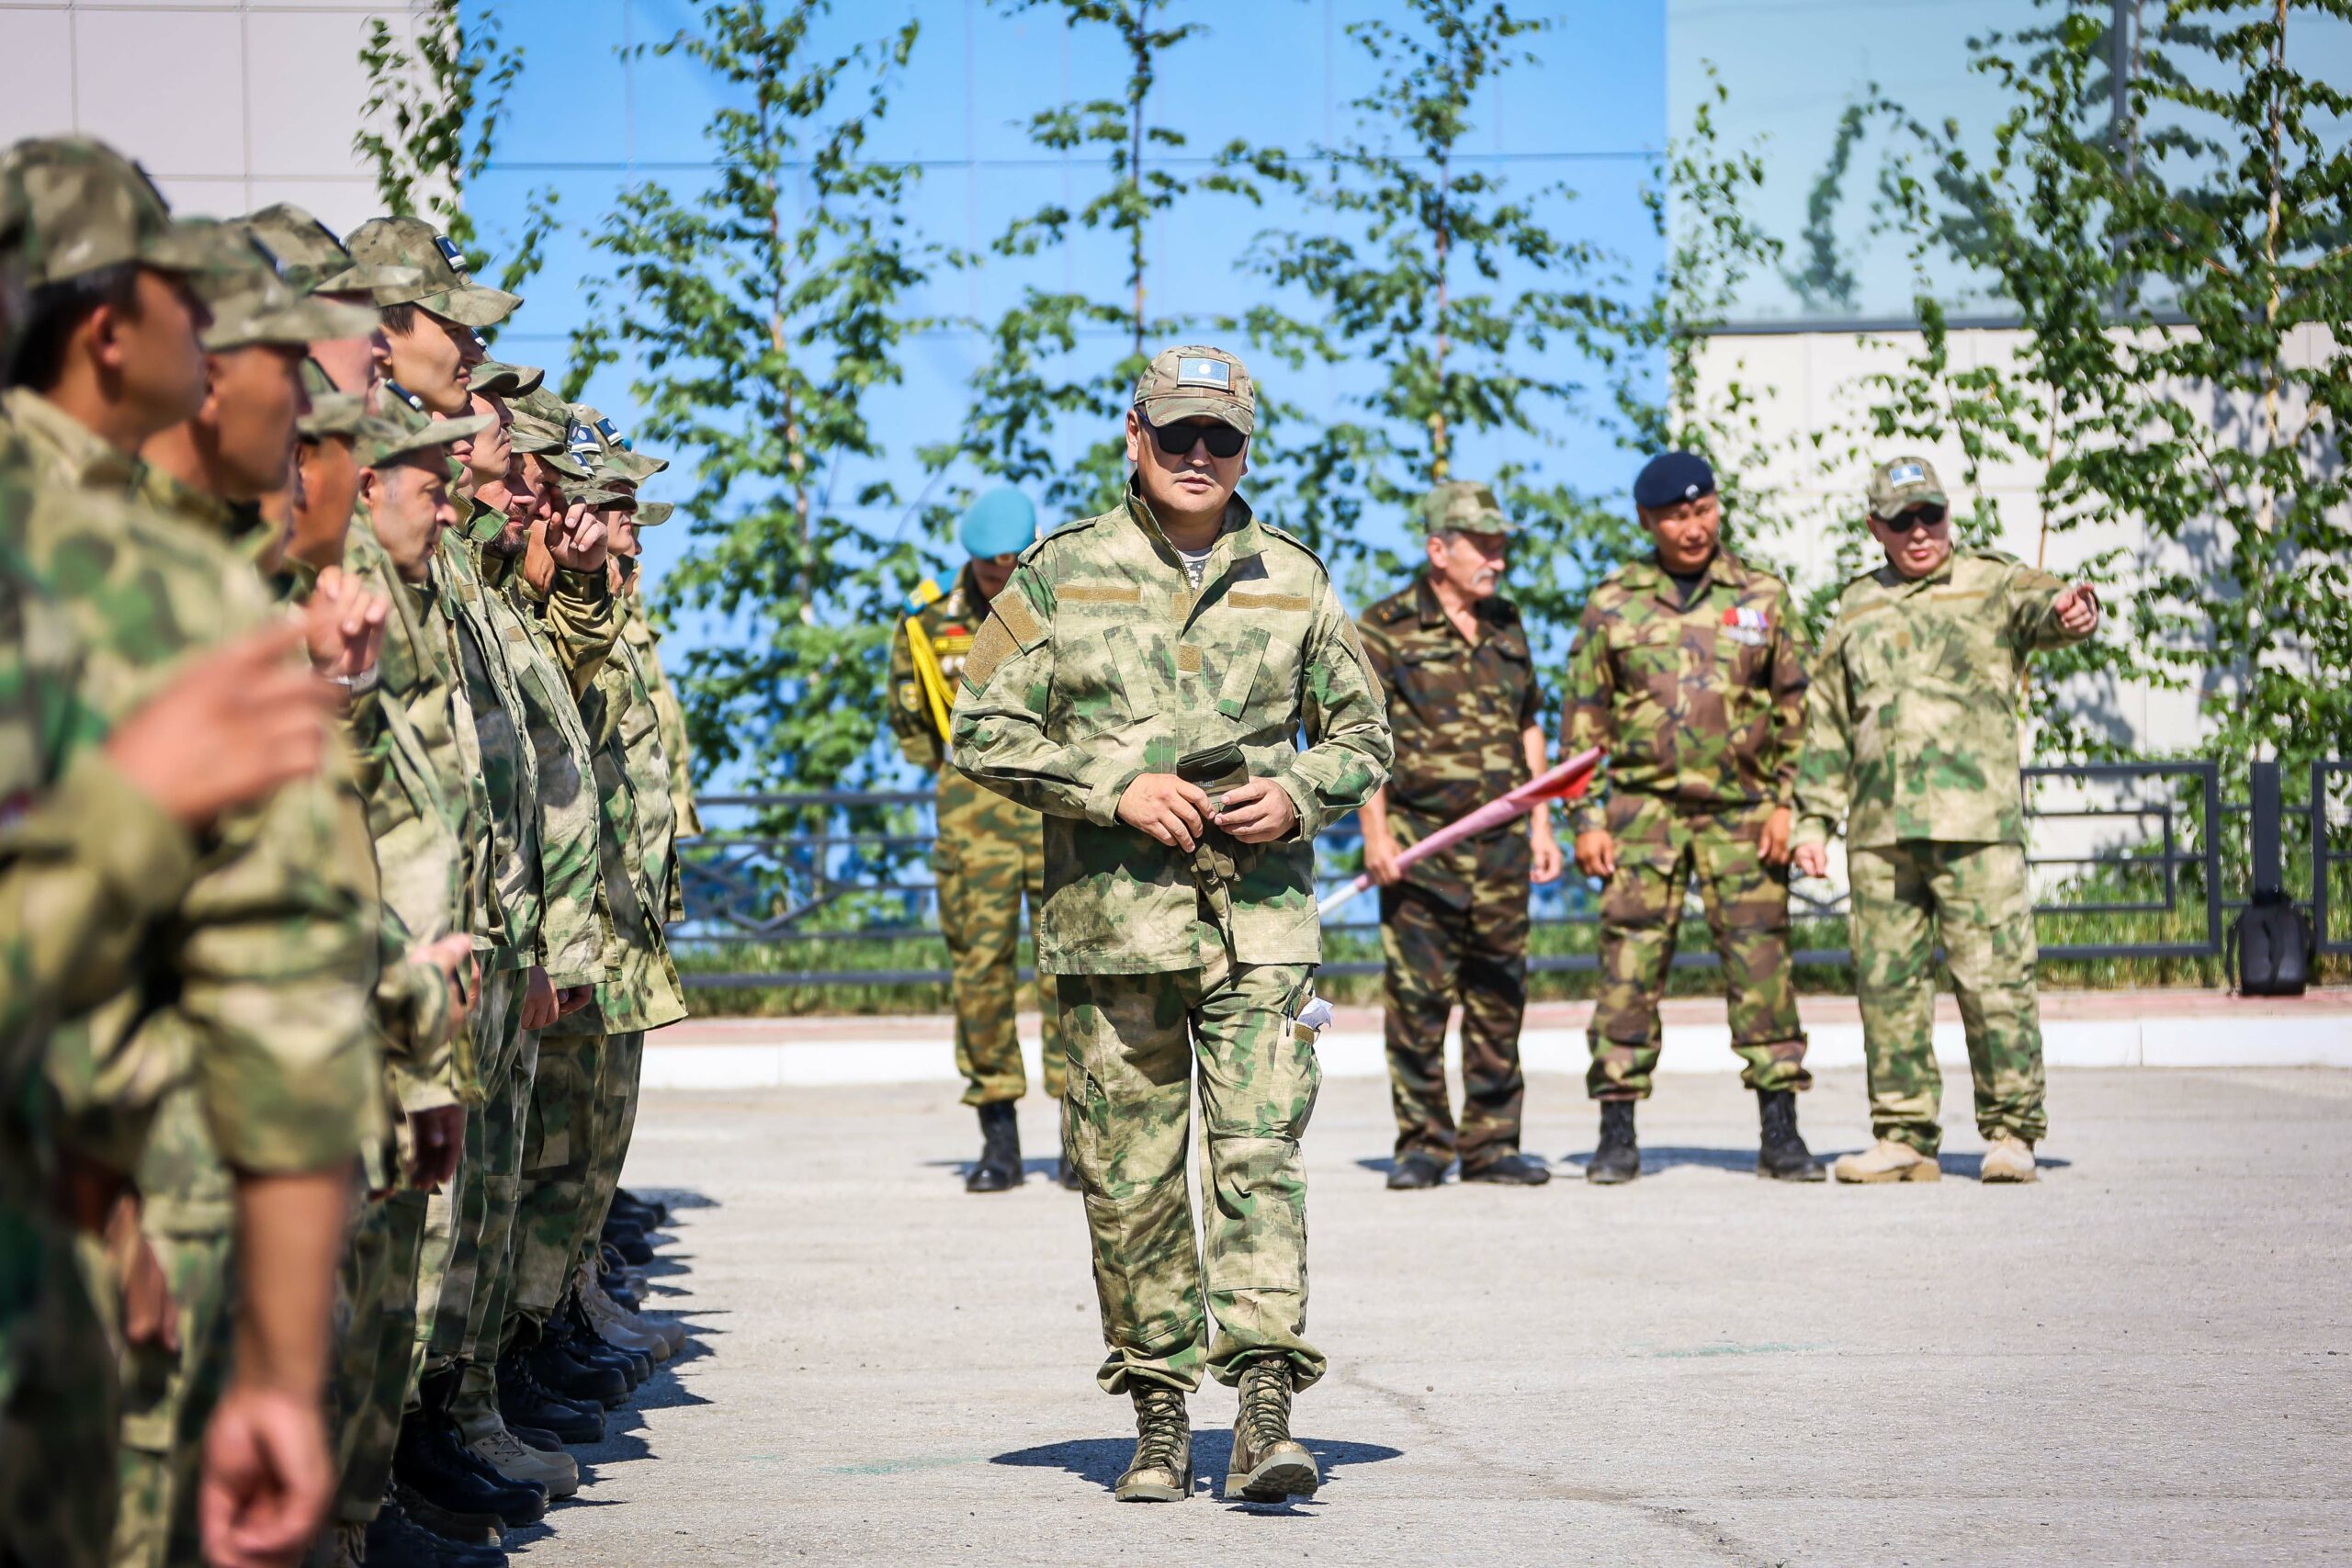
1204	373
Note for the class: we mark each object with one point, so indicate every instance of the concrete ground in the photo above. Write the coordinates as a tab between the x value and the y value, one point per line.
2147	1357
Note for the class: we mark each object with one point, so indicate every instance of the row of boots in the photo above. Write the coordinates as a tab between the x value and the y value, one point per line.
467	1468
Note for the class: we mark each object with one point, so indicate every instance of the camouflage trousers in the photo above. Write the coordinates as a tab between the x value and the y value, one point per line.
1137	1044
167	1397
619	1069
470	1222
1660	848
1976	898
1434	950
558	1139
372	1377
989	851
59	1419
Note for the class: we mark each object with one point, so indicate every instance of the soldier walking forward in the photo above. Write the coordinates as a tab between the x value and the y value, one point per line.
1915	746
1462	699
1688	672
1145	682
990	850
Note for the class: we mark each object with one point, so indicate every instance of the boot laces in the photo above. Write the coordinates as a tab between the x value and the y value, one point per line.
1161	1427
1265	1402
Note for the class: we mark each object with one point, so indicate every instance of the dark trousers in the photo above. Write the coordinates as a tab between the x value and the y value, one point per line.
1437	951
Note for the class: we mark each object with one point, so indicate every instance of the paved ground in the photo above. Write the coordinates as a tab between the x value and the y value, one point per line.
2145	1358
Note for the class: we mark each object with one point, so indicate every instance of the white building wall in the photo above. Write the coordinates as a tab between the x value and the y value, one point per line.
230	106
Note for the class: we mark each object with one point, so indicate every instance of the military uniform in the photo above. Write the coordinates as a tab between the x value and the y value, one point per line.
1103	661
1458	920
990	851
1914	745
1700	704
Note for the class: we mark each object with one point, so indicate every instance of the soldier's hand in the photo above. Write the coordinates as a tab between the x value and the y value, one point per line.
1813	860
572	999
538	999
229	728
344	626
1597	853
1167	807
1549	863
577	539
267	1478
1380	858
1258	812
1773	842
438	1137
2076	609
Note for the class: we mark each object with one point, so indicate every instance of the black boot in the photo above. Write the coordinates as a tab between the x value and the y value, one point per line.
569	1378
397	1540
1618	1158
583	1332
590	1351
1416	1172
628	1241
1511	1169
431	1456
1781	1155
526	1401
999	1168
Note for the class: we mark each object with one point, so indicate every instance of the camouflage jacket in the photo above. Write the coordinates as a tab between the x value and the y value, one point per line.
1701	703
637	632
1100	663
510	772
1458	710
254	992
1915	727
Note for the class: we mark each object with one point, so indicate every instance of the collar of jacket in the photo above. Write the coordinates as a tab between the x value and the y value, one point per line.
1723	567
1432	613
64	447
1238	537
183	503
1895	582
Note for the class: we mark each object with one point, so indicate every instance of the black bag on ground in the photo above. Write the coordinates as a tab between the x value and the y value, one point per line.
2271	948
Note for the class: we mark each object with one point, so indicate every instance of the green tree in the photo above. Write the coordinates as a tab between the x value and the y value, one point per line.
759	314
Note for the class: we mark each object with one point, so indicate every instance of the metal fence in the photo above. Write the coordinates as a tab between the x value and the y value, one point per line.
2157	846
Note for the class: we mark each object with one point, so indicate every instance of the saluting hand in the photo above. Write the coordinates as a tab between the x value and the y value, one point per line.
577	539
2076	609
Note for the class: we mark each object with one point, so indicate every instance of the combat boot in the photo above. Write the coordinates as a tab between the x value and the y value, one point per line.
1780	1155
433	1458
486	1436
646	1213
527	1401
592	1353
1268	1464
670	1337
1161	1471
999	1167
393	1538
1888	1160
1513	1170
1416	1172
551	1362
1619	1157
2009	1158
628	1241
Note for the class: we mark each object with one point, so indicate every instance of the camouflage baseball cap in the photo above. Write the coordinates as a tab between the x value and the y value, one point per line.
70	206
653	514
612	451
542	423
335	413
311	257
251	305
1901	483
442	286
382	441
1196	382
497	378
1465	505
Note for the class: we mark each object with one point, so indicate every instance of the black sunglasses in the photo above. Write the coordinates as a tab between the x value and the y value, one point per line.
1176	440
1916	517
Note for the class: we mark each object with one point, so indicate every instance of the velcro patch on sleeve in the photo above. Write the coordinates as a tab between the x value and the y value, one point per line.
1019	621
991	647
1099	593
1243	600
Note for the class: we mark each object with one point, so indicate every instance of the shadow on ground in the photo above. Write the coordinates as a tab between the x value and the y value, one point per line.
1100	1459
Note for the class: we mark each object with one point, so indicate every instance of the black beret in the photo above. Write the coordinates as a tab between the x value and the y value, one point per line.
1672	477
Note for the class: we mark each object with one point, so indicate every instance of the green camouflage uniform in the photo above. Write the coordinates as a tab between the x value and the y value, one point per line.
990	851
1915	746
1457	921
1100	663
1701	707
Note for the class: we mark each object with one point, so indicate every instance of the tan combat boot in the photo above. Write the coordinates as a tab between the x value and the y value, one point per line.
1161	1471
1889	1161
2009	1160
668	1338
485	1435
1267	1464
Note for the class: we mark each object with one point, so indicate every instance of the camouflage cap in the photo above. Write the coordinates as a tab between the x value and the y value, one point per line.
69	205
251	305
542	423
335	413
602	491
653	514
497	378
311	257
1196	382
442	286
614	451
384	441
1466	505
1901	483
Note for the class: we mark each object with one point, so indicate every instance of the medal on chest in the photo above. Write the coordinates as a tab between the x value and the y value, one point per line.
1750	628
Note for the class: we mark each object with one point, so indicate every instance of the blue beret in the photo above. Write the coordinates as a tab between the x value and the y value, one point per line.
1000	522
1672	477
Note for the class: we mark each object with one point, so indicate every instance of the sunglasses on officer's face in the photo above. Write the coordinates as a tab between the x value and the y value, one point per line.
1916	517
1176	440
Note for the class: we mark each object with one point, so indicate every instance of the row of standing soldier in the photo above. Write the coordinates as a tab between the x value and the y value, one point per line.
1173	688
328	976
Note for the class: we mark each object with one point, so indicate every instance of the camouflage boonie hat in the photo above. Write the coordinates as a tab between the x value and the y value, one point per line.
542	422
382	441
612	451
310	257
1196	382
251	305
1466	505
497	378
70	206
1901	483
335	413
442	286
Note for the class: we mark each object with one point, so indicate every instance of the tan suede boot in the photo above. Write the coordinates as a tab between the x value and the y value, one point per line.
1161	1471
2009	1160
1889	1161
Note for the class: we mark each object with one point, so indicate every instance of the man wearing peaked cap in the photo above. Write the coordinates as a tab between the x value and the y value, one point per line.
1689	670
1464	705
1913	745
542	432
612	446
313	259
429	326
989	850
